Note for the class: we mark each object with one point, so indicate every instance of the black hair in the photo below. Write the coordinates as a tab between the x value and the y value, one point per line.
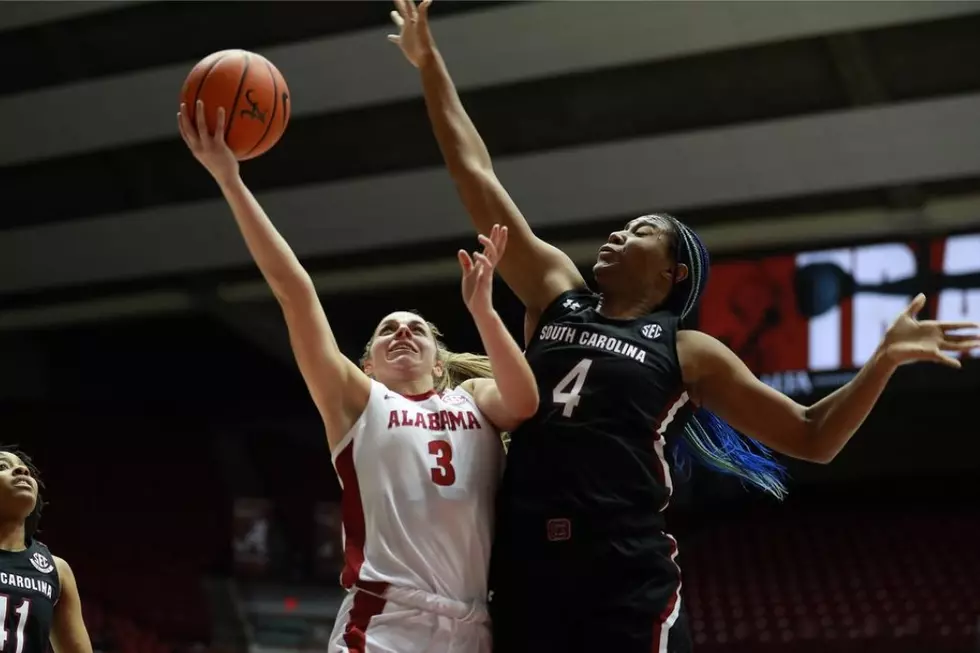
33	520
708	440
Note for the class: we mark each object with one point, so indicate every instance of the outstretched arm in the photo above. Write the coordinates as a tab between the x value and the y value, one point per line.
511	396
536	271
339	388
68	632
719	381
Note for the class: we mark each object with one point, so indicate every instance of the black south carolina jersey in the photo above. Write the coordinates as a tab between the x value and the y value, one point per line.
580	507
29	590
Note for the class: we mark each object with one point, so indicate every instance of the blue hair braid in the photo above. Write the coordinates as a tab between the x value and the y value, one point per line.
708	440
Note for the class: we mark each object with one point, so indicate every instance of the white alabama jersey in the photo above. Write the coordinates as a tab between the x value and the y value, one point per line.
419	476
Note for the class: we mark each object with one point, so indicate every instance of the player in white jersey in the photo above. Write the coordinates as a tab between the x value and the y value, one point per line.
413	432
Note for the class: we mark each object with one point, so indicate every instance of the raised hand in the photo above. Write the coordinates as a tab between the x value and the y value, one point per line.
478	271
413	36
909	340
210	149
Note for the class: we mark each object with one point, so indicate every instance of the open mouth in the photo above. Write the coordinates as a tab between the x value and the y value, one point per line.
24	484
401	346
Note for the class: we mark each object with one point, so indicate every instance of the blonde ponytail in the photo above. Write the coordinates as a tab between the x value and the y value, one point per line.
459	367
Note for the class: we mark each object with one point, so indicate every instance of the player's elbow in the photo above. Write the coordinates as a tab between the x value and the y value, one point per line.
825	455
530	406
524	406
473	174
819	457
815	449
293	289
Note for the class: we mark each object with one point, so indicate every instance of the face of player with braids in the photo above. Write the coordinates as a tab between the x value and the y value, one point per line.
403	352
638	264
18	488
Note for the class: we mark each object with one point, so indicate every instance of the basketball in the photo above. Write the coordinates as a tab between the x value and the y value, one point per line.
253	93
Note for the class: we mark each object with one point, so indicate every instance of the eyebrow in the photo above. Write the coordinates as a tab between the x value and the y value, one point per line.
652	222
413	323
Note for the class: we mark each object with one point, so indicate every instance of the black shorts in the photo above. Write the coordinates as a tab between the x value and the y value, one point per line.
603	591
588	629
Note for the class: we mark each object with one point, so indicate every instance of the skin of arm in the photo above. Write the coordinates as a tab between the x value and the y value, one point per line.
339	388
536	271
68	632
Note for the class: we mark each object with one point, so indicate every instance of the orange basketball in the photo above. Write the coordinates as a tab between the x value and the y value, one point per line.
253	93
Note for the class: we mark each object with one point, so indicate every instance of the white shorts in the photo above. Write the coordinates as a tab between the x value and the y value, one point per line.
379	618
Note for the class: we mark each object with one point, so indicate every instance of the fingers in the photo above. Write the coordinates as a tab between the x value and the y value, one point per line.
493	246
961	337
916	306
482	260
465	262
198	135
402	8
202	123
948	360
501	242
397	19
960	343
219	127
184	125
957	326
412	10
424	9
489	249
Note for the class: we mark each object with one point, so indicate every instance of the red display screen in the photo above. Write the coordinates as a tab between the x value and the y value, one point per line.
805	321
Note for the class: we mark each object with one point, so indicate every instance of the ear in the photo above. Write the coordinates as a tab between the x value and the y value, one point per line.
680	273
438	370
368	368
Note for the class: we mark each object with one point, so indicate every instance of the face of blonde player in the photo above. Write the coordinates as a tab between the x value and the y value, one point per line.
403	354
18	489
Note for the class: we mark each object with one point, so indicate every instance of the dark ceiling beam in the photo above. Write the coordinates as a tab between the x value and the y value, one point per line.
865	88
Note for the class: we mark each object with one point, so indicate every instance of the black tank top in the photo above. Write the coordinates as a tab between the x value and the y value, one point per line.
29	589
588	474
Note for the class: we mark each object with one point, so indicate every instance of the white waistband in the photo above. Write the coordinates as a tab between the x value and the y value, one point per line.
475	612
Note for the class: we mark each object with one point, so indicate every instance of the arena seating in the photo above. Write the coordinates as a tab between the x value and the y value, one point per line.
139	538
864	582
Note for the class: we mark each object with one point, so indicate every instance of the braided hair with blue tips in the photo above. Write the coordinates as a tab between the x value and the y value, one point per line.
707	439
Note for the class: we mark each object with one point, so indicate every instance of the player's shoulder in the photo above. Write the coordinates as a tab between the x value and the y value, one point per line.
40	557
571	301
460	395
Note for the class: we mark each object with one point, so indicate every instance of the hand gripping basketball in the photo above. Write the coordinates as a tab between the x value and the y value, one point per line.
252	91
210	149
908	340
478	271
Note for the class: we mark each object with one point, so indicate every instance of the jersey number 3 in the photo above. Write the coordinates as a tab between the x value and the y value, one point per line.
21	611
443	473
567	390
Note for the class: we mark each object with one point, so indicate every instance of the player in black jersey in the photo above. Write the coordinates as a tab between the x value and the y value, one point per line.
582	561
39	600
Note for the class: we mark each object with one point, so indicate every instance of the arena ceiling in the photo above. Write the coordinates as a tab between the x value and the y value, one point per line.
738	113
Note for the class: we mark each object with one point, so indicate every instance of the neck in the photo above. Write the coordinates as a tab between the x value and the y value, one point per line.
411	388
624	308
12	536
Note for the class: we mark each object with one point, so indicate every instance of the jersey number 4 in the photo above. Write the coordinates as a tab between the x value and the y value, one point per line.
443	473
567	390
21	611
